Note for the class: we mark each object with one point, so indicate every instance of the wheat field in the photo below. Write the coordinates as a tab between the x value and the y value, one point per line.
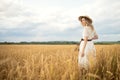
56	62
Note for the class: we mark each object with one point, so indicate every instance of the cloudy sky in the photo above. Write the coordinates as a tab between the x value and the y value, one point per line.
57	20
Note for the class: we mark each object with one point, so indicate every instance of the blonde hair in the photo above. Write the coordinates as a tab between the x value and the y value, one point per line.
90	25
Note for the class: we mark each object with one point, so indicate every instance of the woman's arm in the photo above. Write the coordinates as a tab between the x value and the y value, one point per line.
85	36
85	42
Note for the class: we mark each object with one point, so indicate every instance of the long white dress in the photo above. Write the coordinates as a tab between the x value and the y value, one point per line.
89	51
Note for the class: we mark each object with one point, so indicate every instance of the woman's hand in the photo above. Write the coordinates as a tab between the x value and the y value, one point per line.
95	37
77	48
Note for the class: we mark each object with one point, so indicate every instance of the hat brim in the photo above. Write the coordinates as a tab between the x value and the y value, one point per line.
86	17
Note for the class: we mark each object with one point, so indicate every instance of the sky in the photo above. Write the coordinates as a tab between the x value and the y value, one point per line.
57	20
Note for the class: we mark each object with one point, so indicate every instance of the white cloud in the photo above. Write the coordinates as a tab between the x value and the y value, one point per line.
53	17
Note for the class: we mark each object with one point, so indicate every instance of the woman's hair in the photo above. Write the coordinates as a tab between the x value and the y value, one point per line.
90	25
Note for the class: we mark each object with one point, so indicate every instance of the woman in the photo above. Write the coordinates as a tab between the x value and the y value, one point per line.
87	49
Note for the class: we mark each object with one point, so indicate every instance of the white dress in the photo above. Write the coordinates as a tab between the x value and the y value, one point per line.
89	51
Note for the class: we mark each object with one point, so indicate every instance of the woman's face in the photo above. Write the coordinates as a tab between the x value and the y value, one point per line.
83	21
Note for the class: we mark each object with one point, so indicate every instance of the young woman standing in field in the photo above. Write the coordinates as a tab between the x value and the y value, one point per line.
86	47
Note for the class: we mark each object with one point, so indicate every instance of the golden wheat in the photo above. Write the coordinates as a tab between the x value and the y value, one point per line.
56	62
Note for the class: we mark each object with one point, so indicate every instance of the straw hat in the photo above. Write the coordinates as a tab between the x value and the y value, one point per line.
86	17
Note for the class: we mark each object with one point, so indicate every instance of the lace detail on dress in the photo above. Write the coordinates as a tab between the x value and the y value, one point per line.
88	32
